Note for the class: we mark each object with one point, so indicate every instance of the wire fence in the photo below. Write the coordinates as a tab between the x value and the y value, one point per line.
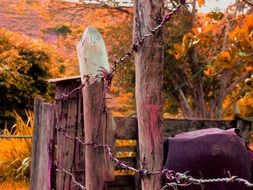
173	179
15	137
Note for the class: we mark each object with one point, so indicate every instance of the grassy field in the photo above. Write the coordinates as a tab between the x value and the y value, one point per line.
14	185
15	155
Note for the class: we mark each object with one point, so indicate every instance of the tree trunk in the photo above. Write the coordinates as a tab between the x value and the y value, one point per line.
185	105
149	81
197	89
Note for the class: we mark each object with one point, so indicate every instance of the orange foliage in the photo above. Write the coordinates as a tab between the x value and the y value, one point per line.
224	44
246	104
201	2
121	105
14	185
24	42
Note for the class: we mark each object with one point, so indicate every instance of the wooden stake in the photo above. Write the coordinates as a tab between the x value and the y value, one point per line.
42	149
92	58
149	79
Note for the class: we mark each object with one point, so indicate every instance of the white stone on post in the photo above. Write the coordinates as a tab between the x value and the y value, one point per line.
98	126
91	53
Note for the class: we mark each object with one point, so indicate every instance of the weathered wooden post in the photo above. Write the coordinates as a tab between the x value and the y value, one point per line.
92	58
69	154
149	80
42	157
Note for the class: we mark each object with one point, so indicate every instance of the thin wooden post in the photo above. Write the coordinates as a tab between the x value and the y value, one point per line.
92	58
149	80
42	157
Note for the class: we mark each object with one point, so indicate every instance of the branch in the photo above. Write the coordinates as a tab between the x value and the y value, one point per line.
185	105
247	2
239	79
198	87
221	93
189	80
231	87
107	5
99	4
238	97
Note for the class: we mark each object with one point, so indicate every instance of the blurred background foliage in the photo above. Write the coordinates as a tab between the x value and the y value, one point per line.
25	64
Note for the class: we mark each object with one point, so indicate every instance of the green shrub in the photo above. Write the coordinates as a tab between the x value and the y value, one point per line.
24	66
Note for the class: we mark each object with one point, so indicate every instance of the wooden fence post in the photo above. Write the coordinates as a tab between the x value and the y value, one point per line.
69	153
149	80
42	157
92	58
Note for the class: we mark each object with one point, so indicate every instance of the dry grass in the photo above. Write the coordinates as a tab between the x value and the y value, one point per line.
15	155
14	185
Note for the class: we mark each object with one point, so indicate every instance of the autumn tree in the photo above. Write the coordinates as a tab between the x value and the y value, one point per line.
213	59
25	64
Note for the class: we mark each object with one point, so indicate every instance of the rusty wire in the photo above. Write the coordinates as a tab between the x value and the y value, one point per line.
85	83
15	137
183	180
61	169
174	179
107	149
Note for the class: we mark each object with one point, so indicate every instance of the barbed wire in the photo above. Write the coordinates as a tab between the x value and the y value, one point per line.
175	179
61	169
85	83
183	180
15	137
107	149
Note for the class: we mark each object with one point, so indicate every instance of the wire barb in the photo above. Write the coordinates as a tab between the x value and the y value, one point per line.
183	179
